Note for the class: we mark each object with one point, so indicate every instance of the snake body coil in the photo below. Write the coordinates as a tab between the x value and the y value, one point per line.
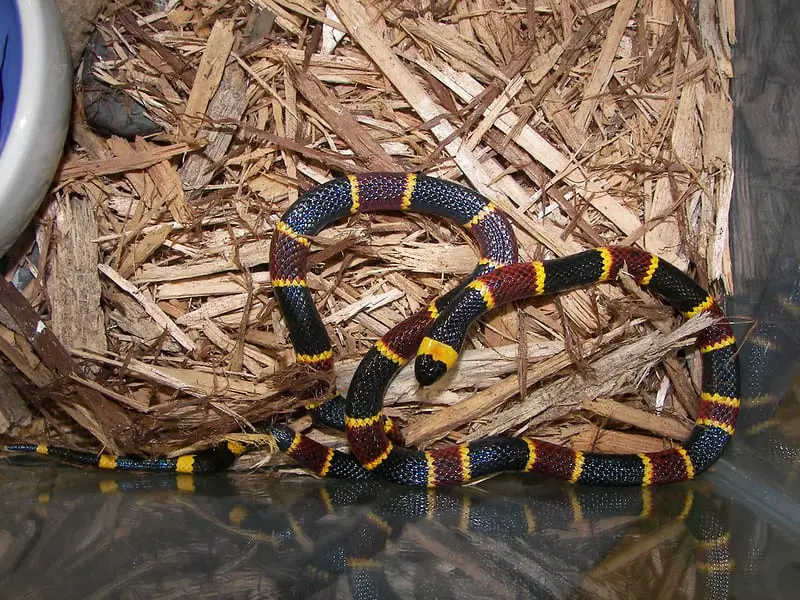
438	336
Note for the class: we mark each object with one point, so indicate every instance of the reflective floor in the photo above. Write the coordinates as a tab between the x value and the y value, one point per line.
71	533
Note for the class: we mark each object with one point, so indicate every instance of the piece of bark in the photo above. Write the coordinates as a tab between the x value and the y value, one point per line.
73	284
229	102
209	76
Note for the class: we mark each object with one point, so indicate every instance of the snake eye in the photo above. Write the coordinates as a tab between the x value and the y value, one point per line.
428	370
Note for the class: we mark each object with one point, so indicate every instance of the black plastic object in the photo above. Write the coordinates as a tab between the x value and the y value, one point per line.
109	110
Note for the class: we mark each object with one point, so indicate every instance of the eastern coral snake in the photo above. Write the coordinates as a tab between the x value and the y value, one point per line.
437	334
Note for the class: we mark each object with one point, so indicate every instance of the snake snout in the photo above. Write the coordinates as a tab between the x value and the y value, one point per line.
428	370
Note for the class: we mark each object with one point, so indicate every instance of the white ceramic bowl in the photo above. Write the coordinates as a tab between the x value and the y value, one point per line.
35	110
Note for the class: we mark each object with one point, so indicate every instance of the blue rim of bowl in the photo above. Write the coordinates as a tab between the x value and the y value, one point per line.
10	66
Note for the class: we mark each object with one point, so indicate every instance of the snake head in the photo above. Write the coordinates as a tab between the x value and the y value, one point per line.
434	359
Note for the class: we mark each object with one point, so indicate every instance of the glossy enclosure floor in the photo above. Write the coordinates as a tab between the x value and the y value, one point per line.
68	533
